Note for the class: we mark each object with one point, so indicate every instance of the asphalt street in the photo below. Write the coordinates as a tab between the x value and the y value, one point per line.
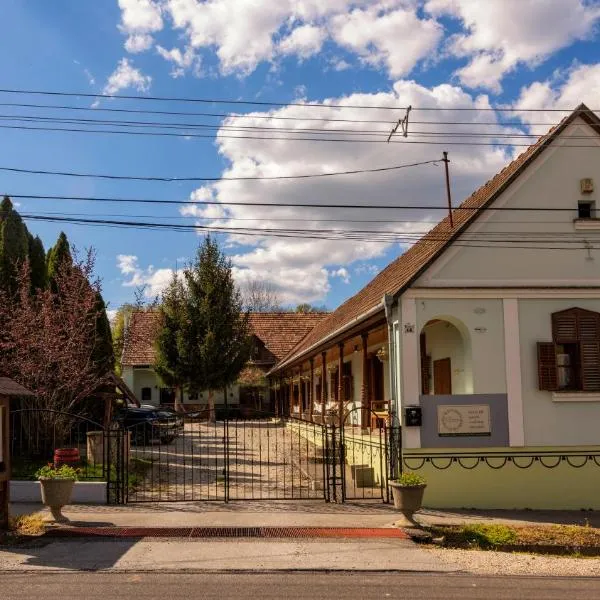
314	585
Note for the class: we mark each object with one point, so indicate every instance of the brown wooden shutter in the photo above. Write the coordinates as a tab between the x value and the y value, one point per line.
588	326
564	326
590	366
547	375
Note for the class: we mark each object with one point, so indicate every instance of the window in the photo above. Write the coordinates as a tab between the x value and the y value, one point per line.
193	396
146	394
571	362
586	209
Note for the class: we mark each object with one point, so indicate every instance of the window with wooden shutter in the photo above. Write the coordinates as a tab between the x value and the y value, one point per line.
590	366
547	372
571	362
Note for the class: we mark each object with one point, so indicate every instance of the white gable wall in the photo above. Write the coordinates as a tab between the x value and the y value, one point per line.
552	181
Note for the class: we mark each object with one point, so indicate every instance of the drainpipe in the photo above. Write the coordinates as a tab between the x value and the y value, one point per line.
388	301
395	438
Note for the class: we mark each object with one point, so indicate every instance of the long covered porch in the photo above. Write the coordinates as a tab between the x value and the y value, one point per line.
345	382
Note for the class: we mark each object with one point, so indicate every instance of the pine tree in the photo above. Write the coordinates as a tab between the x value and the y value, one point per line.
170	364
118	333
204	340
58	255
103	350
37	263
14	244
217	331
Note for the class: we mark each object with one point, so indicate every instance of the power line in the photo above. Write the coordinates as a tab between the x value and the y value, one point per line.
248	178
281	104
288	205
260	116
308	235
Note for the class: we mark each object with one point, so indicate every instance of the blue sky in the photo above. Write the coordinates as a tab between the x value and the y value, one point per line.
445	54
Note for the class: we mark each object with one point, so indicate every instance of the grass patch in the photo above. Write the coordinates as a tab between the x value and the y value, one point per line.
22	528
25	470
138	467
494	536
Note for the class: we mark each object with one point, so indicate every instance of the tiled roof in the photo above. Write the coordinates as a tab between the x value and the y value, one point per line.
279	332
9	387
401	272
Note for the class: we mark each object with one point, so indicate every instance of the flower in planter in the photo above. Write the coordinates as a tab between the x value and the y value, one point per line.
409	479
49	471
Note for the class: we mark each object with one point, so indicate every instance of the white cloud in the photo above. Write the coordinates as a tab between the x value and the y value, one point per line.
182	61
501	34
397	39
580	84
301	269
154	281
127	76
342	273
138	42
304	41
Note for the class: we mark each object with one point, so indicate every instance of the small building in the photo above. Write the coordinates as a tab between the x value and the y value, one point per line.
8	389
274	335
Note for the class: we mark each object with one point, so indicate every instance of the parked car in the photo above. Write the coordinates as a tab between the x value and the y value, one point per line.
150	424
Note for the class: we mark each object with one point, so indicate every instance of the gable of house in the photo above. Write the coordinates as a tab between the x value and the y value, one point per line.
402	272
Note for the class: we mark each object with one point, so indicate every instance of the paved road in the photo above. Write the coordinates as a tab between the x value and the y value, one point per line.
291	586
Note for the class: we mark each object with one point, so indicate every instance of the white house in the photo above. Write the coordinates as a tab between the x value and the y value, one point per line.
483	338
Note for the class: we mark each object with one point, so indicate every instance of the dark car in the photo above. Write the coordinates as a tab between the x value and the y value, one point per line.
150	424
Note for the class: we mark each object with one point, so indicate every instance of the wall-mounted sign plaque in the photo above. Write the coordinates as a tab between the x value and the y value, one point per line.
464	419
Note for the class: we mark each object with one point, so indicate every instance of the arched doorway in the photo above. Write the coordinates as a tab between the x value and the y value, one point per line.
445	349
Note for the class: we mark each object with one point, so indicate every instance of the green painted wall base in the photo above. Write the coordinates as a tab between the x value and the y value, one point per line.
563	487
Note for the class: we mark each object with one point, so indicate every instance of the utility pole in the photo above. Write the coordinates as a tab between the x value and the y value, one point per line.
446	161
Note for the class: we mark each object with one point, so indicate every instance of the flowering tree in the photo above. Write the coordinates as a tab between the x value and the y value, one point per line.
49	339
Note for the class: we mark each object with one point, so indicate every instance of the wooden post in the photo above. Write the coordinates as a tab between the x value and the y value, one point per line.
311	396
341	384
5	465
300	392
445	160
365	390
323	384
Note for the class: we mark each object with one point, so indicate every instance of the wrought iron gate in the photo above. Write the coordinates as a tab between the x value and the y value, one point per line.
259	458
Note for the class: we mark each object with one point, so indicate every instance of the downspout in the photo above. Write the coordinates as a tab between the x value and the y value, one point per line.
388	301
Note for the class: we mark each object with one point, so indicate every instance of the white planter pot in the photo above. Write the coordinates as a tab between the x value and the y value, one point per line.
56	493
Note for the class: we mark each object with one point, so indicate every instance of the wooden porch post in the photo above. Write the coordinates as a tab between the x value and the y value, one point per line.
311	395
341	383
291	393
323	384
300	391
365	391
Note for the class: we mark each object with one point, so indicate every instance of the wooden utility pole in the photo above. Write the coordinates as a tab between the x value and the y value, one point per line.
446	161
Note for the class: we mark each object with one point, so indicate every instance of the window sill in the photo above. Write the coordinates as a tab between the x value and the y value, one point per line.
575	396
587	224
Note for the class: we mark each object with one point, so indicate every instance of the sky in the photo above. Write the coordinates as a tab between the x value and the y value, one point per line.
445	55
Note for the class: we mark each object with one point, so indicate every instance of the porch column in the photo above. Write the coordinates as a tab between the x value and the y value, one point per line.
276	392
300	391
409	394
365	392
311	396
341	383
512	362
323	383
291	393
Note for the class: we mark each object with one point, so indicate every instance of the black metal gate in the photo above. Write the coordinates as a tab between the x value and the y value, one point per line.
190	458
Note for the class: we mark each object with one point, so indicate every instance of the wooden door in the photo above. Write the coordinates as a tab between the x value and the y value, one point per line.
442	376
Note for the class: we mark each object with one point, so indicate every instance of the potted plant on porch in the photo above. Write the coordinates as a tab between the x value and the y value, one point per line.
407	492
57	486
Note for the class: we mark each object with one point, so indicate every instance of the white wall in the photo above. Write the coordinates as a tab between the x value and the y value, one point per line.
444	340
552	181
481	323
550	423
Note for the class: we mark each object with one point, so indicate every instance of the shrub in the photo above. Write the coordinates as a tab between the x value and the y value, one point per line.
49	471
410	479
488	536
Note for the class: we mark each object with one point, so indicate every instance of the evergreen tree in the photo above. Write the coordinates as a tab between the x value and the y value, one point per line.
58	255
204	340
37	263
103	350
170	363
118	333
14	244
217	331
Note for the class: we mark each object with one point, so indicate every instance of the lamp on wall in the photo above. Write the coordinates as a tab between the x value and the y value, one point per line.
382	354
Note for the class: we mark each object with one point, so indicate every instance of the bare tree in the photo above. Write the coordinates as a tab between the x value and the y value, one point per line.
260	295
